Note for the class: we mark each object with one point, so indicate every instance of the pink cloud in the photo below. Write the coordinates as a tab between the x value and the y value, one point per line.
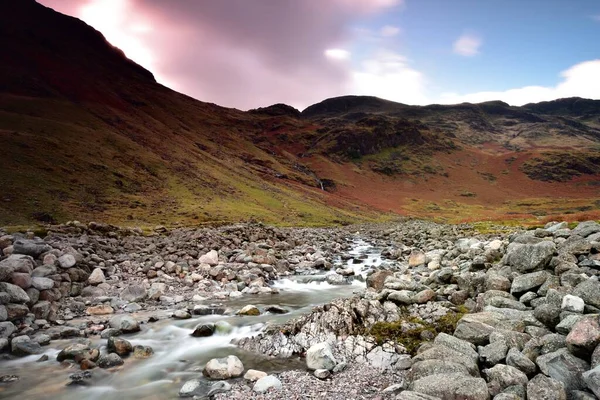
236	53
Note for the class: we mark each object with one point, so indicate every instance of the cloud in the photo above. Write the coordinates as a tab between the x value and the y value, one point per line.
387	75
337	54
236	53
596	17
467	45
389	31
581	80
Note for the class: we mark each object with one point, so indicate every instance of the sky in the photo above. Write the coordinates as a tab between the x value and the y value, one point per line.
254	53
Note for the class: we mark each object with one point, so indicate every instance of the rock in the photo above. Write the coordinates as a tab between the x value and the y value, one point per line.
203	330
41	283
543	388
142	352
443	353
223	327
109	360
410	395
416	258
134	293
424	368
493	353
202	389
211	258
529	257
502	376
33	248
249	310
67	261
588	291
586	228
266	383
518	360
24	346
79	378
21	279
75	351
276	310
181	314
15	311
100	309
572	304
527	282
584	336
92	291
377	279
564	367
157	290
124	323
592	380
224	368
454	386
96	277
320	356
15	293
322	373
254	375
336	279
120	346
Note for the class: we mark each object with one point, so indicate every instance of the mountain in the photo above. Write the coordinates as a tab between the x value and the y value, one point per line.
88	134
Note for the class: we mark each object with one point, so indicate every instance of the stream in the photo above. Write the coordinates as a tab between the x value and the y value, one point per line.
178	356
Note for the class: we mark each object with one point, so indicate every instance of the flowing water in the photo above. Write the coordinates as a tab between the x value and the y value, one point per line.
178	356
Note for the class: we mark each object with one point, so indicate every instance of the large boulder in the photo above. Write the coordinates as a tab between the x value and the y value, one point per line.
31	247
211	258
584	336
542	387
124	323
224	368
585	229
589	292
320	356
530	257
16	294
502	376
592	380
455	386
134	293
377	279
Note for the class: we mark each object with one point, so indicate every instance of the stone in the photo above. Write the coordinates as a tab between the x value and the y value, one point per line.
276	310
181	314
41	309
320	356
134	293
572	304
592	380
33	248
453	386
443	353
586	228
41	283
410	395
100	309
211	258
142	352
16	311
21	279
564	367
542	387
74	351
493	353
249	310
157	290
377	279
92	291
203	330
224	368
201	389
96	277
120	346
516	359
23	346
526	282
424	368
502	376
322	373
67	261
416	258
124	323
109	360
584	336
15	293
266	383
254	375
588	291
530	257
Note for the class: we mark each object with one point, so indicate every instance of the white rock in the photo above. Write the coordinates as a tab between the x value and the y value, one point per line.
322	373
573	303
67	261
96	277
266	383
210	258
224	368
254	375
320	356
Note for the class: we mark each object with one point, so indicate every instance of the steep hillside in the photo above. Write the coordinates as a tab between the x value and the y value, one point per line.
86	133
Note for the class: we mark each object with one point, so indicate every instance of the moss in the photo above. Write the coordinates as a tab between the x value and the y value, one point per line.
411	332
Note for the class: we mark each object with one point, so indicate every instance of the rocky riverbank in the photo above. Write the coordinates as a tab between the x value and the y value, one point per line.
446	313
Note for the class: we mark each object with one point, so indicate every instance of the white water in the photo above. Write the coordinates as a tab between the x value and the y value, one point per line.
177	355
